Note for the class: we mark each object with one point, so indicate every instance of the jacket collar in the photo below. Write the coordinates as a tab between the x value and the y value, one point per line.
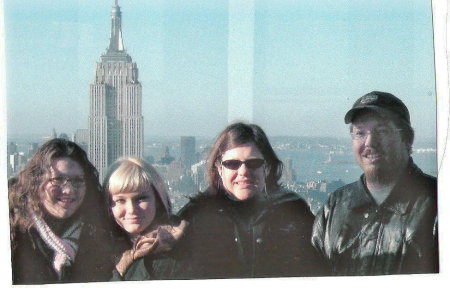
259	208
399	199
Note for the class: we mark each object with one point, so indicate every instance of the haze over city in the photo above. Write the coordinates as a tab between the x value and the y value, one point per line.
309	61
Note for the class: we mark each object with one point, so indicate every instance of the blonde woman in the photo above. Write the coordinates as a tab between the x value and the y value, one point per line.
141	210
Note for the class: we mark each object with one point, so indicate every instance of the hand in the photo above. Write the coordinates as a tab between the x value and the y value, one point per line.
168	235
144	246
157	241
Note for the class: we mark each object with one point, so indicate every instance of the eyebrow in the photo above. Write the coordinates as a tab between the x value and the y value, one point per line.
67	176
381	124
134	194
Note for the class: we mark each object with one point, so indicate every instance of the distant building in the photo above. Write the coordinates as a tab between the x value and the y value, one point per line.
32	149
51	136
288	176
81	138
199	175
17	162
324	186
11	148
175	171
115	122
166	158
187	151
64	136
54	135
9	169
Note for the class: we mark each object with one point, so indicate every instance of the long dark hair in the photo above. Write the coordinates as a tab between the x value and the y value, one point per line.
26	187
238	134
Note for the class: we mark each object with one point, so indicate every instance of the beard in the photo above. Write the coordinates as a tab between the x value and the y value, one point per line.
384	174
380	176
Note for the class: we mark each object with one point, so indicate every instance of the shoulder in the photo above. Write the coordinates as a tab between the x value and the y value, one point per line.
343	198
284	199
346	192
421	182
203	202
421	190
287	203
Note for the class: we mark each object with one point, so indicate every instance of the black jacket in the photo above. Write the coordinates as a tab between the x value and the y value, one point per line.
230	239
358	237
32	259
151	267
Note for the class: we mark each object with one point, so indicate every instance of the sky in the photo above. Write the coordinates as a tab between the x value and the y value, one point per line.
307	62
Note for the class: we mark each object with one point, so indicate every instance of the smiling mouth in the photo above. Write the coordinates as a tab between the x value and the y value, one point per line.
66	201
134	220
373	157
245	183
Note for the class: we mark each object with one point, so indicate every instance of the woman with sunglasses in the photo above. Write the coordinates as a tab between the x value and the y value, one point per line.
245	224
59	227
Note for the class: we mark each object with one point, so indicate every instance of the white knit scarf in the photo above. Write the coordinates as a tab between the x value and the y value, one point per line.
64	247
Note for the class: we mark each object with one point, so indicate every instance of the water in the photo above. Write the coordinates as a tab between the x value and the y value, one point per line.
316	165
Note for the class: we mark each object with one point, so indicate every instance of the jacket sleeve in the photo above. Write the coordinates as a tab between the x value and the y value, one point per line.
320	232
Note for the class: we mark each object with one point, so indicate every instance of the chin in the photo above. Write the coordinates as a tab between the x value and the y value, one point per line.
243	195
132	230
62	214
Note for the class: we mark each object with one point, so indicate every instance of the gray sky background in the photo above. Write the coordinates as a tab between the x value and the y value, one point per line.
311	60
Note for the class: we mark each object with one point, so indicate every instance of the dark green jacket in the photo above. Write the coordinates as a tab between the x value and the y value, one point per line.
231	239
148	268
151	267
358	237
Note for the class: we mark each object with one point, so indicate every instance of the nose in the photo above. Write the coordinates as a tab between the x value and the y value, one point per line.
371	140
130	207
243	170
67	188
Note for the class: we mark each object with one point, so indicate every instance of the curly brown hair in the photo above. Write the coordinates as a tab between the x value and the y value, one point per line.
25	189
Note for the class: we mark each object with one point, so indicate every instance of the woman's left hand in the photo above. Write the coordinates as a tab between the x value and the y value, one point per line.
168	235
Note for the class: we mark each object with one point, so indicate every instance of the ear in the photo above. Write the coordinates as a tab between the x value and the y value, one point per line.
266	171
219	170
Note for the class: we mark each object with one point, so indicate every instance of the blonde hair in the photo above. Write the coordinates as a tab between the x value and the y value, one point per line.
134	175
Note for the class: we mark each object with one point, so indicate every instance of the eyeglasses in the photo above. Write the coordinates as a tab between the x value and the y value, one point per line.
236	164
381	133
60	181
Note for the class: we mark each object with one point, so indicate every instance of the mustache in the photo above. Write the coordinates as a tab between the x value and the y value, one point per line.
371	151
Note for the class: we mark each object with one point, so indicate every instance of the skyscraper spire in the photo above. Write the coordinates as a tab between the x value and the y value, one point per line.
116	124
116	41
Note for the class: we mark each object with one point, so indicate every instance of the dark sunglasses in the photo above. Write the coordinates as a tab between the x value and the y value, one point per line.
236	164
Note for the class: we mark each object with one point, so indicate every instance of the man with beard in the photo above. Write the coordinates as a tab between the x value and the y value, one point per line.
386	222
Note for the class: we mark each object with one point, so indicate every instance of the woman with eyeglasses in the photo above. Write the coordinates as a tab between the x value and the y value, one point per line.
140	211
245	224
59	227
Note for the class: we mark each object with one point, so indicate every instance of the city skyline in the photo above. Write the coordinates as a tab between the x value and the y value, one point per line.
310	62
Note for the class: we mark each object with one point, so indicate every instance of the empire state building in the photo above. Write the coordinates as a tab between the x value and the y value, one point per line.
116	126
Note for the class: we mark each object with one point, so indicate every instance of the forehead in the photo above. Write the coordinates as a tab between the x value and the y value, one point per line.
66	167
244	151
131	195
371	120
